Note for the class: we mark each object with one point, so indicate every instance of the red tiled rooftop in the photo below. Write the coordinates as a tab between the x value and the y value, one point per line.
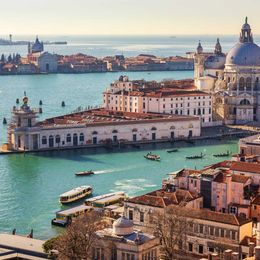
104	117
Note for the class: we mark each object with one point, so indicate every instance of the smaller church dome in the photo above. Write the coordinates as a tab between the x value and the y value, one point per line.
199	48
215	62
123	226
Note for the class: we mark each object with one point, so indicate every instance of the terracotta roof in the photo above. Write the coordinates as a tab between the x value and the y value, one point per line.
212	216
240	178
256	200
105	117
163	199
245	167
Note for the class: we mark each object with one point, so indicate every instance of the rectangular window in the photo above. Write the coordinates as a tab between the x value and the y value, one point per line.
130	214
201	229
200	249
190	247
141	217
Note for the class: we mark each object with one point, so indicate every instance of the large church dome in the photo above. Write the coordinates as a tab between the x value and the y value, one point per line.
246	52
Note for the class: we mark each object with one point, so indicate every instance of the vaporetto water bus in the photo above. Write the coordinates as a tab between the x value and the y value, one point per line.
75	194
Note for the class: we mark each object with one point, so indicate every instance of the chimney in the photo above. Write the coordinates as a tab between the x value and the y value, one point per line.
251	248
235	256
257	253
227	254
214	256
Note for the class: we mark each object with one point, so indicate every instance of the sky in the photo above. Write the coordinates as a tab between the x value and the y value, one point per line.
127	17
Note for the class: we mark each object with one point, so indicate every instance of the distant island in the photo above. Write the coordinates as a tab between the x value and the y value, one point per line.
11	42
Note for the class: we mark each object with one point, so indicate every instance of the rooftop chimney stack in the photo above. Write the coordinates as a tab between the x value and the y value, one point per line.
257	253
227	254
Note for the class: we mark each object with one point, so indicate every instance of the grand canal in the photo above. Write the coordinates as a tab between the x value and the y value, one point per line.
30	185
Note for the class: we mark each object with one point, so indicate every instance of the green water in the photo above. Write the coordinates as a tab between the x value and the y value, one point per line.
30	185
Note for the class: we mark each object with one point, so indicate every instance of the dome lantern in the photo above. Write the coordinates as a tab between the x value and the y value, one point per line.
246	34
218	48
199	48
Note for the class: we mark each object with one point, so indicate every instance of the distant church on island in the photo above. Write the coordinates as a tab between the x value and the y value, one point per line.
225	90
232	79
45	61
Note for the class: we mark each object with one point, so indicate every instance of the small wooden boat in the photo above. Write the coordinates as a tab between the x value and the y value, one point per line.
222	154
84	173
201	156
172	150
152	157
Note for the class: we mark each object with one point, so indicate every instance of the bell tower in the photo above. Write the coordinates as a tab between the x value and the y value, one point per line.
20	130
199	59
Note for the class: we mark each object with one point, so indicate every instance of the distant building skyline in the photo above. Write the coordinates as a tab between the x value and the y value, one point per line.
127	17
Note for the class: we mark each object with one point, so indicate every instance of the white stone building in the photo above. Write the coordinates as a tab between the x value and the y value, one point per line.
95	127
123	95
48	63
232	79
122	242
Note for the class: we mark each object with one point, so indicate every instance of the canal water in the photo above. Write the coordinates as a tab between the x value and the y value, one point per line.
30	184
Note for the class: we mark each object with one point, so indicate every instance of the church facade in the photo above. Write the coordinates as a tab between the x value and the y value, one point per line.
232	79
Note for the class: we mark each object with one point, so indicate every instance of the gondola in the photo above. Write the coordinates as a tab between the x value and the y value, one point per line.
222	154
201	156
172	150
152	157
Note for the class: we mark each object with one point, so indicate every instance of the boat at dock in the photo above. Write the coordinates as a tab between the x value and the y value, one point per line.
106	199
84	173
222	154
75	194
152	157
172	150
201	156
64	217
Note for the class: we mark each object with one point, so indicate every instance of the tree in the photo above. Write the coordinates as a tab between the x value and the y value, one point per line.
3	58
79	238
172	227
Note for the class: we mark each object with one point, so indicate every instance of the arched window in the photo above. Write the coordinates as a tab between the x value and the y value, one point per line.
219	101
190	125
114	131
44	140
134	130
176	112
248	83
57	139
241	83
81	137
245	102
199	111
153	128
94	132
68	138
172	127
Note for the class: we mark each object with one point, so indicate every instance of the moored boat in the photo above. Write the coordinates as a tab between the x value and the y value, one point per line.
152	157
84	173
222	154
201	156
64	217
75	194
106	199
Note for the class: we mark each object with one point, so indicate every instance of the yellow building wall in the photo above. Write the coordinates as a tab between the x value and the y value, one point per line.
245	230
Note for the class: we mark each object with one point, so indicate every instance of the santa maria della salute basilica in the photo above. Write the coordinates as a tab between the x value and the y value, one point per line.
233	79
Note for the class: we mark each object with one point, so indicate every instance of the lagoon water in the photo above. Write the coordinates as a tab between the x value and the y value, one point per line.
30	185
